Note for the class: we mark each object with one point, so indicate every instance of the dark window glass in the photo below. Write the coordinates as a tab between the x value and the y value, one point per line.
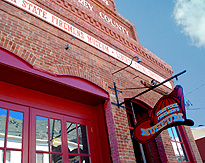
83	140
55	134
55	158
85	159
72	138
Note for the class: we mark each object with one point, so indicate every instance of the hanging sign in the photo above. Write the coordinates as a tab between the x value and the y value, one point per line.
169	111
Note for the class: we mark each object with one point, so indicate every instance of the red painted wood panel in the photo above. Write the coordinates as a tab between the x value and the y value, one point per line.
54	105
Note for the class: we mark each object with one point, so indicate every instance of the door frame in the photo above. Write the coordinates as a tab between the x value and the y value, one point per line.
17	72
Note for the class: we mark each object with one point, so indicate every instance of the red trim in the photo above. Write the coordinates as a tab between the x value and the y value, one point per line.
17	71
25	111
187	144
201	144
141	103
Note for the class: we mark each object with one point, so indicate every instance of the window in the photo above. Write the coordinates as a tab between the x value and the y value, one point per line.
59	138
137	147
49	146
143	152
178	144
48	139
12	134
54	138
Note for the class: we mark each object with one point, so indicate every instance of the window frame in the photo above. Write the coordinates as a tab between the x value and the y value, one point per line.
144	148
64	119
180	141
24	149
186	143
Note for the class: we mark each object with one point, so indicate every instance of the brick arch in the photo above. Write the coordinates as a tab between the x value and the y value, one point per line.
142	104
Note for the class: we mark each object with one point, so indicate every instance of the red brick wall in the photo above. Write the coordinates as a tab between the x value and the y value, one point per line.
165	147
42	45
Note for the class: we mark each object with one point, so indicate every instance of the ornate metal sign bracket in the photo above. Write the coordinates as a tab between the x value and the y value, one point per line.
116	91
151	88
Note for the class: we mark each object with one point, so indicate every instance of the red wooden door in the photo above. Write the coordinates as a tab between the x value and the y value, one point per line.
53	129
57	138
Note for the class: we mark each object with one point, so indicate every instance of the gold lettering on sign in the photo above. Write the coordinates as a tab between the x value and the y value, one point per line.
168	120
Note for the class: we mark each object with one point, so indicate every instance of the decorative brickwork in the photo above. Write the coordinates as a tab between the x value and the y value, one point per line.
83	17
43	45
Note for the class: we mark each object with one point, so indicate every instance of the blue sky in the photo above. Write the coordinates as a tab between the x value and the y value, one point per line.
174	30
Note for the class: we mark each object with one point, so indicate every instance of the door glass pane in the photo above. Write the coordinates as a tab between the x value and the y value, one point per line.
82	131
55	135
13	156
14	137
41	133
72	138
42	158
85	159
73	159
3	113
8	156
1	155
55	158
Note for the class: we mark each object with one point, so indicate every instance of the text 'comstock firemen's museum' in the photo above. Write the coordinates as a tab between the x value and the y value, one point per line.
67	73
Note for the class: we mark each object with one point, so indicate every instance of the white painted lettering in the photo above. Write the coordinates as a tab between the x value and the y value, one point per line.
34	9
86	4
98	44
113	23
106	2
68	28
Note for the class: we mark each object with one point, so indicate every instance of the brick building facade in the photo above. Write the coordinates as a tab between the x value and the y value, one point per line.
60	54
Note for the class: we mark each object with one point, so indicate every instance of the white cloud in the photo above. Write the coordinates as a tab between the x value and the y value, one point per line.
190	15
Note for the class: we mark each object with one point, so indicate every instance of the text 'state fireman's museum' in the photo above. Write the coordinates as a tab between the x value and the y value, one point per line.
70	72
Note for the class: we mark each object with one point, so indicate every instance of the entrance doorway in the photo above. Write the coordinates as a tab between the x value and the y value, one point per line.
40	128
50	118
